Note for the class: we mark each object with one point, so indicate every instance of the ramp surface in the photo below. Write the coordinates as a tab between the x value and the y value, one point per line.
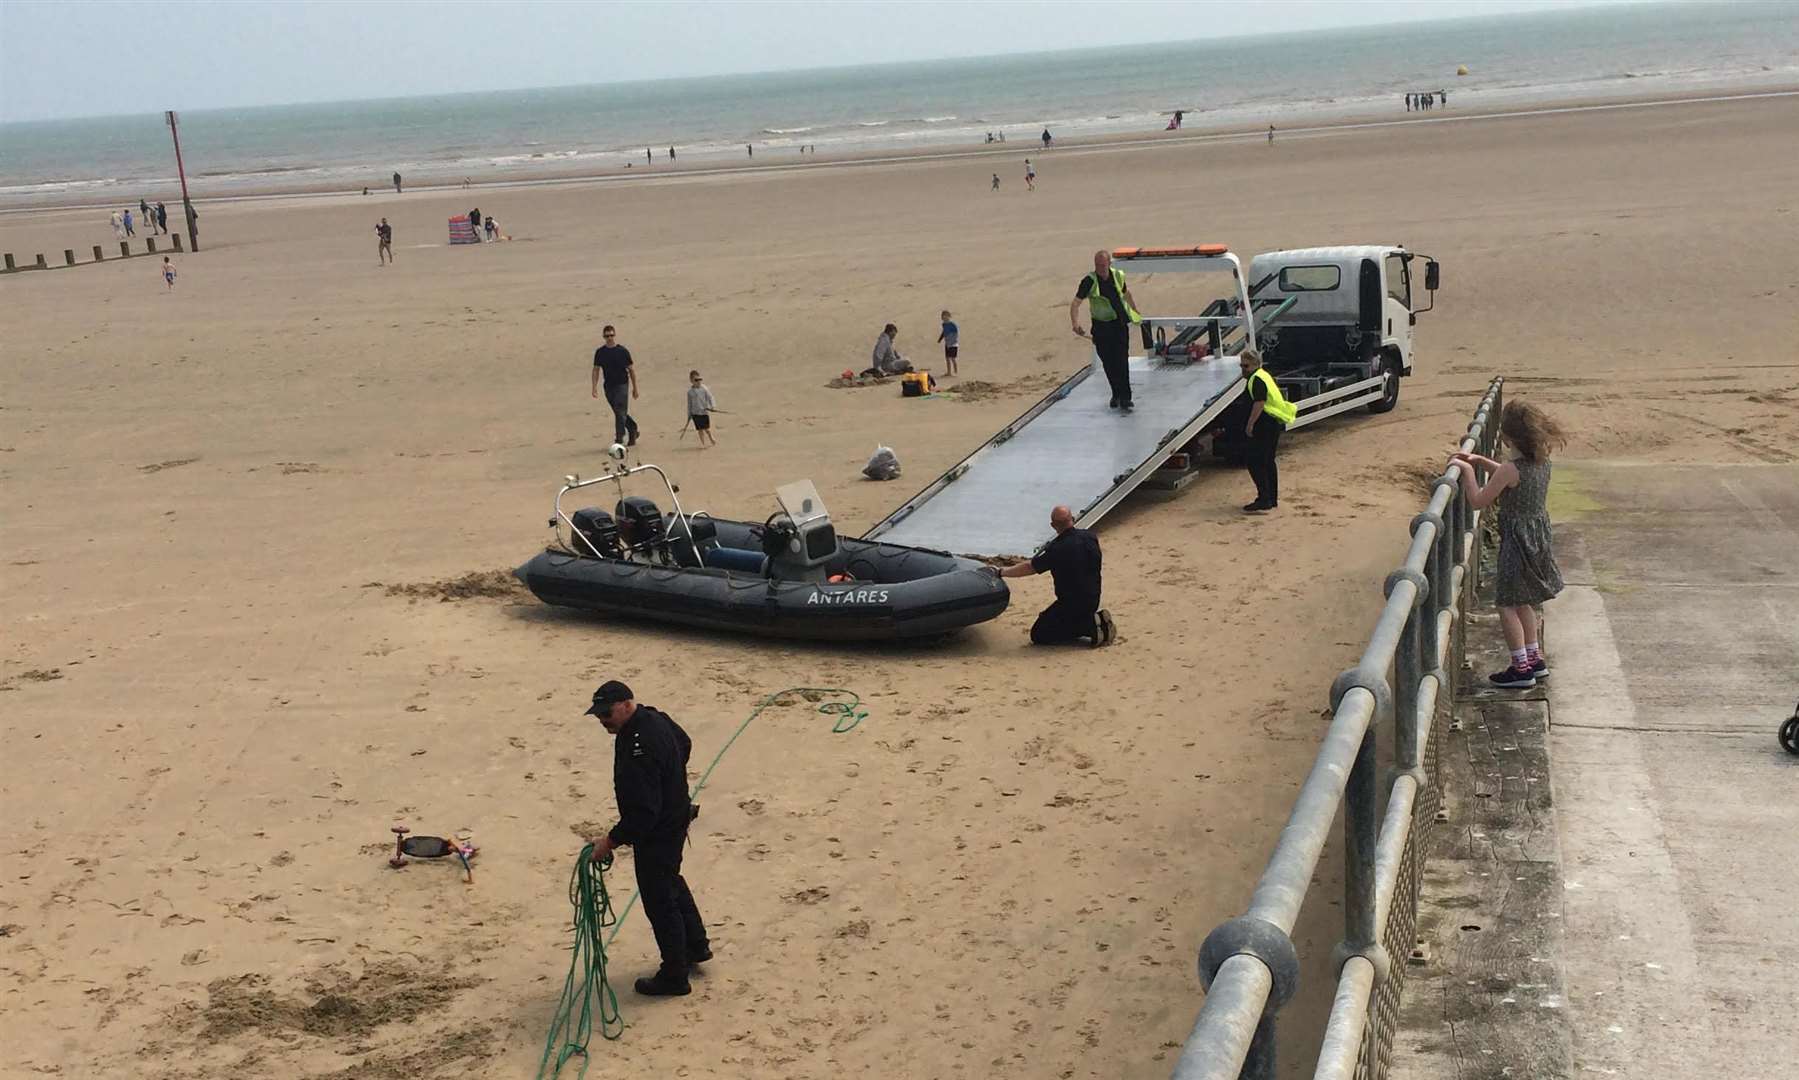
1068	449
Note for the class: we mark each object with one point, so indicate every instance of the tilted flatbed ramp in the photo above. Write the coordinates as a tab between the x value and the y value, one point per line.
1068	449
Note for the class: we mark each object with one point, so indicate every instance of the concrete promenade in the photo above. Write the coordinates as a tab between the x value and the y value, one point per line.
1639	917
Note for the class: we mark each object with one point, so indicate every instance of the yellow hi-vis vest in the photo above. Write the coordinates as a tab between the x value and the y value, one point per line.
1276	405
1099	308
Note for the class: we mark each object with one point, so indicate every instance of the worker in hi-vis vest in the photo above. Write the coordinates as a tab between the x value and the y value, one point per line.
1269	415
1112	311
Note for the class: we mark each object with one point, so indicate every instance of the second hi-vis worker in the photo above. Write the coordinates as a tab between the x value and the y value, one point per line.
1269	415
1112	311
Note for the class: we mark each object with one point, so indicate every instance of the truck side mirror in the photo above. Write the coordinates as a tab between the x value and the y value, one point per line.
1432	276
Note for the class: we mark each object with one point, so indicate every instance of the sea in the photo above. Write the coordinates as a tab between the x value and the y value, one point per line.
1286	79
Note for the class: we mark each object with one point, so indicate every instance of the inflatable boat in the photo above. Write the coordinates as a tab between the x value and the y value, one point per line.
788	576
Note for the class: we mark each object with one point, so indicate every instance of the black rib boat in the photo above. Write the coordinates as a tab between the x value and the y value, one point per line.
789	576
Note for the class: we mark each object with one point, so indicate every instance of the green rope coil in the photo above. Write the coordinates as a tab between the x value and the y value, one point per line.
586	985
572	1027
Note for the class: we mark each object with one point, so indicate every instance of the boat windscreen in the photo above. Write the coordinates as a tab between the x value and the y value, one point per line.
802	503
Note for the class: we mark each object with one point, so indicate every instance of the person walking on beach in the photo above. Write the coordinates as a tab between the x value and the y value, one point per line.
700	406
671	153
129	231
649	780
1111	309
1047	141
1269	415
1073	561
168	273
396	183
118	226
612	368
995	182
1030	175
1527	574
162	219
474	221
1270	134
384	243
951	337
143	214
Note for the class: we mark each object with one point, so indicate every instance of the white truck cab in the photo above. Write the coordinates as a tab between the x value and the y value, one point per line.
1328	316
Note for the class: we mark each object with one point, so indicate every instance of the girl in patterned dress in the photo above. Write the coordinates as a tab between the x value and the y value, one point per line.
1527	574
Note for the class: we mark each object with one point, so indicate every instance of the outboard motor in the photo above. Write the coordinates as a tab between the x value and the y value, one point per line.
640	525
596	533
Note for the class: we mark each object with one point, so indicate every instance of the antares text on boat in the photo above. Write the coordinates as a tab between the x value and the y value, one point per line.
789	575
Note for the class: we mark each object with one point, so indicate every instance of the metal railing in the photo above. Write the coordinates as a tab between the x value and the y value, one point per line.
1248	965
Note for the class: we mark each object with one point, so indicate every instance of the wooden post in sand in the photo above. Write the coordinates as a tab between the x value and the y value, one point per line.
9	263
68	256
150	242
41	264
177	238
99	255
124	249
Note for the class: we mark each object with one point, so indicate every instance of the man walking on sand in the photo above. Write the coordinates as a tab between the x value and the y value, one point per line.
649	780
1030	175
1111	310
396	183
384	243
1073	562
612	369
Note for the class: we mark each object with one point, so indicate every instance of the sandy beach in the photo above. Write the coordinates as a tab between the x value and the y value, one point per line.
230	512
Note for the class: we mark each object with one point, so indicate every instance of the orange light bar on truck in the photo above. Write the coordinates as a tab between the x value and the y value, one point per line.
1170	252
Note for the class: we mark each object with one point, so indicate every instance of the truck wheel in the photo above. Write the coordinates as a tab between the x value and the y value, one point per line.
1390	393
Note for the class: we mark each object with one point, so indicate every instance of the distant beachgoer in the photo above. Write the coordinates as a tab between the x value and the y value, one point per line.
1002	136
143	213
1030	175
491	227
365	191
1443	98
648	158
1408	103
750	148
1271	134
1047	140
162	218
384	243
129	231
613	361
474	221
396	183
1527	575
990	136
671	153
951	336
995	181
699	408
118	226
168	273
887	359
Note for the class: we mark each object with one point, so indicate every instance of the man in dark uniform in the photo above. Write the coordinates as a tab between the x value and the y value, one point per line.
1112	310
649	778
1072	559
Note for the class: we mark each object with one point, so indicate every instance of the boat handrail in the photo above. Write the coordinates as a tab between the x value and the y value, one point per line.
617	473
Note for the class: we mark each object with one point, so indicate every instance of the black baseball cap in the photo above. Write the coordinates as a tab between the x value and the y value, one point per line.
610	693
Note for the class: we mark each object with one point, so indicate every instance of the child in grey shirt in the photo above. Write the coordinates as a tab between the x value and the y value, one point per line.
699	408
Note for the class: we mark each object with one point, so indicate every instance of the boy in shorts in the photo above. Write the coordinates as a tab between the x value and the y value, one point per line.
168	273
949	336
699	408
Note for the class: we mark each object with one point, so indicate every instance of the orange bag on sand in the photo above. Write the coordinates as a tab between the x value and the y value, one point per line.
916	384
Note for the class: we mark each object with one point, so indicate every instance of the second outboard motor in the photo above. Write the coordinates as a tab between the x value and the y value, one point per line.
639	524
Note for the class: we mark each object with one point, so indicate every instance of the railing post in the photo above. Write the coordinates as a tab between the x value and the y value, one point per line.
1361	832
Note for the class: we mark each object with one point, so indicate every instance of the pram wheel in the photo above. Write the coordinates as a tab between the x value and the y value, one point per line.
1789	734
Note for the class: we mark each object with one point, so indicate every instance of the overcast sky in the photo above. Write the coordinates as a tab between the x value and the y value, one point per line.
65	58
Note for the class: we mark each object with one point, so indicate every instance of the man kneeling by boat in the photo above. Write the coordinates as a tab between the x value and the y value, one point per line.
1073	560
